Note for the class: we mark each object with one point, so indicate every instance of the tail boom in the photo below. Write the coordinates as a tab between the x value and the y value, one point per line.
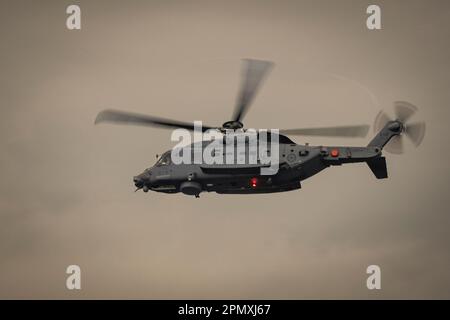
371	154
390	130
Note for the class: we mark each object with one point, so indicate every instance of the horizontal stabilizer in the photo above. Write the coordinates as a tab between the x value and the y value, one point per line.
378	167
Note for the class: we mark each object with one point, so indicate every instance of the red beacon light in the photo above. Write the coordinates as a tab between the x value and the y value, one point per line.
334	153
253	182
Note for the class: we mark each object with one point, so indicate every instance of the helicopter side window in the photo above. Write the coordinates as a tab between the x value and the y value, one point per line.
164	160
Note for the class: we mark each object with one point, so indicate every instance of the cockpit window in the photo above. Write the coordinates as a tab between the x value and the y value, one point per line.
164	160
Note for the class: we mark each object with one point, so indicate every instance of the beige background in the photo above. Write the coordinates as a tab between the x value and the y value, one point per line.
66	194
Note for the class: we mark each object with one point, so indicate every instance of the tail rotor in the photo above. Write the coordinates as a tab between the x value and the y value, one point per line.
415	131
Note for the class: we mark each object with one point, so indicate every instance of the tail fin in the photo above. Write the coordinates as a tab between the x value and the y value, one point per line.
378	167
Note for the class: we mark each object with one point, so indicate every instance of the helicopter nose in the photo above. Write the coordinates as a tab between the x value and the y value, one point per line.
138	182
142	180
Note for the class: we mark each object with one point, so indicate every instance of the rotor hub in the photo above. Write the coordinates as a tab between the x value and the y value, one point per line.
396	126
233	124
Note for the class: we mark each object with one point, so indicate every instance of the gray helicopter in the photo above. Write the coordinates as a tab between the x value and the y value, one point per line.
295	162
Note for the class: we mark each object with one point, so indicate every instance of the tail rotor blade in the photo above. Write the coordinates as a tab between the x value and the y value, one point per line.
415	132
404	110
395	145
380	121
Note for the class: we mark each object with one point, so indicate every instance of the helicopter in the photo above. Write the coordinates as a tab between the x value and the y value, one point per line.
295	162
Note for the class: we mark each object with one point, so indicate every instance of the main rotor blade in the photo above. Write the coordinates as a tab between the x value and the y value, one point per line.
253	73
123	117
341	131
404	110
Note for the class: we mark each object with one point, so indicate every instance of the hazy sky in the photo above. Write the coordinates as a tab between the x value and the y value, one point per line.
66	191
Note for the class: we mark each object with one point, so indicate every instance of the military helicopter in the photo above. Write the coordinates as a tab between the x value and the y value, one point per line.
295	162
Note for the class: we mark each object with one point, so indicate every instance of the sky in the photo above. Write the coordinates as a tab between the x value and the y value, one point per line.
66	192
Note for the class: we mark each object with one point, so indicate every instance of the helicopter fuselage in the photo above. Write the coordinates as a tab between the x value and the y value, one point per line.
296	163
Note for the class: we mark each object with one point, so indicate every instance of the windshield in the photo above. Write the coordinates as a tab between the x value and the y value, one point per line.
164	160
